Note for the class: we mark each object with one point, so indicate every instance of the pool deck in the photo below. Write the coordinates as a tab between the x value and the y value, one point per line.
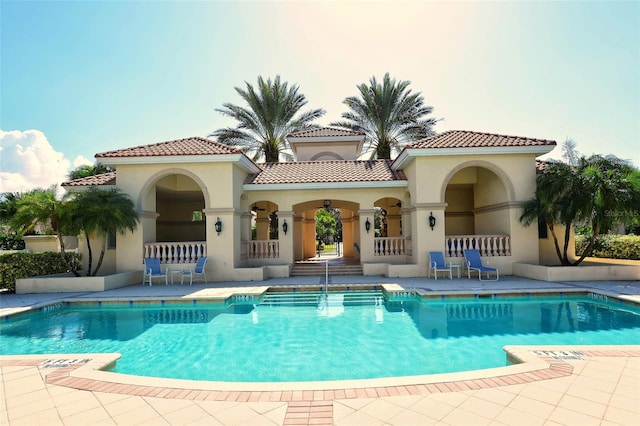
552	386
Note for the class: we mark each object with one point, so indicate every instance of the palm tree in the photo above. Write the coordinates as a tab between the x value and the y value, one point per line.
8	205
388	114
613	186
41	208
598	190
38	208
553	204
273	112
570	153
100	212
88	170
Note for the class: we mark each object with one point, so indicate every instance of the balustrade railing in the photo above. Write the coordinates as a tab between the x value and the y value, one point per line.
487	245
261	249
389	246
176	252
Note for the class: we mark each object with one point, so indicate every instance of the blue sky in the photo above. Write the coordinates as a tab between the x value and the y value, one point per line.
83	77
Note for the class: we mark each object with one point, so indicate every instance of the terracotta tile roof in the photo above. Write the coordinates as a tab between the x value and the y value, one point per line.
466	139
324	132
188	146
103	179
325	171
541	166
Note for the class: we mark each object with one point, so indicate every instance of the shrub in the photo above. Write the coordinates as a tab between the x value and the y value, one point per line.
612	246
11	242
23	265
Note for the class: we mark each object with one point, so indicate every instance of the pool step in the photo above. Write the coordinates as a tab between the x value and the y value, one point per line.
313	298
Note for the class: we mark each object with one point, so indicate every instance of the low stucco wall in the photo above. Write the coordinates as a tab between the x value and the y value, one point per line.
588	272
69	284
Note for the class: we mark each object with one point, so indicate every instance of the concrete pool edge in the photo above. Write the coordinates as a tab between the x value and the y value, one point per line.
536	363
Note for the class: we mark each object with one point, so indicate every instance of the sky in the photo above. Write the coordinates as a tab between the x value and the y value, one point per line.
83	77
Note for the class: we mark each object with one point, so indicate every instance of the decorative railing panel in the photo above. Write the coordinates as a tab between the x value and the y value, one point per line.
487	245
263	249
176	252
389	246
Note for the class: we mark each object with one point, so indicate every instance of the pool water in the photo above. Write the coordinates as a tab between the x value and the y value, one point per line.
326	340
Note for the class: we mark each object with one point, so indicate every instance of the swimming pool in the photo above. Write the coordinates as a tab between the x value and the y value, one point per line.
338	338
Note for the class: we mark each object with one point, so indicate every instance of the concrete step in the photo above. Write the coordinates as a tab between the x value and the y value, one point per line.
303	269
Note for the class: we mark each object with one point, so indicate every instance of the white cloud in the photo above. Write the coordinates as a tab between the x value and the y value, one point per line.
81	161
28	161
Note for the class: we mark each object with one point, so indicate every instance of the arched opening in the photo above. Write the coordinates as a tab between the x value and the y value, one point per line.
179	205
477	213
388	220
264	221
388	239
334	233
174	225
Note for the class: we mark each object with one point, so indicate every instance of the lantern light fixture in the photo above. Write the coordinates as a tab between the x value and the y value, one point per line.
218	226
367	225
432	221
285	226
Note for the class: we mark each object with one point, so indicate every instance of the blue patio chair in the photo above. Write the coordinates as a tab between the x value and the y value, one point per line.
437	264
474	262
153	270
198	270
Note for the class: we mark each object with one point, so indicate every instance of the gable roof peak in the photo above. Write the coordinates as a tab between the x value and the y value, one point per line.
324	132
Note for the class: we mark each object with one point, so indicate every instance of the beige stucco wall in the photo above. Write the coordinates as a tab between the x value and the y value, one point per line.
501	183
487	191
220	184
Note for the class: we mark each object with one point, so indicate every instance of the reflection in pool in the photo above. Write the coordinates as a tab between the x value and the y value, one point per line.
343	337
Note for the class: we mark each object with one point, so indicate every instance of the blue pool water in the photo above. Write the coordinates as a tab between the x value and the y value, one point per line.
334	341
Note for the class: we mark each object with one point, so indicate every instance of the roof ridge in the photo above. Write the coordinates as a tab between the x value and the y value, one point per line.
474	139
193	145
502	135
325	128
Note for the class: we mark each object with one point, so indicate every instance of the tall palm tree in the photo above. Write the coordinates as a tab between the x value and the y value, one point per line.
273	112
100	212
388	114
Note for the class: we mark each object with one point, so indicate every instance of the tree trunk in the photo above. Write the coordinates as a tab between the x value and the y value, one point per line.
101	257
90	260
64	256
589	247
555	243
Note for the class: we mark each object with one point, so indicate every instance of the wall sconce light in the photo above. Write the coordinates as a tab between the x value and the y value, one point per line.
367	225
432	220
285	227
218	226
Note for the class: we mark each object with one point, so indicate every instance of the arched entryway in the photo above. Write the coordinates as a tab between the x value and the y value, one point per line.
306	237
478	212
174	224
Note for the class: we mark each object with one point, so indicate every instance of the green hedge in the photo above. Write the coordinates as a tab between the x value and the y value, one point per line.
22	265
612	246
10	242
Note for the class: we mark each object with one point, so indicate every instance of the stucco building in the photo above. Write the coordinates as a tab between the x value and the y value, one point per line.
447	192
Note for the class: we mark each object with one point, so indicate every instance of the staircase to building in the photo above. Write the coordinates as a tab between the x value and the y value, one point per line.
317	267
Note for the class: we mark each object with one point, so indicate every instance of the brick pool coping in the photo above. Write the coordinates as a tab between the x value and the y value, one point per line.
535	363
